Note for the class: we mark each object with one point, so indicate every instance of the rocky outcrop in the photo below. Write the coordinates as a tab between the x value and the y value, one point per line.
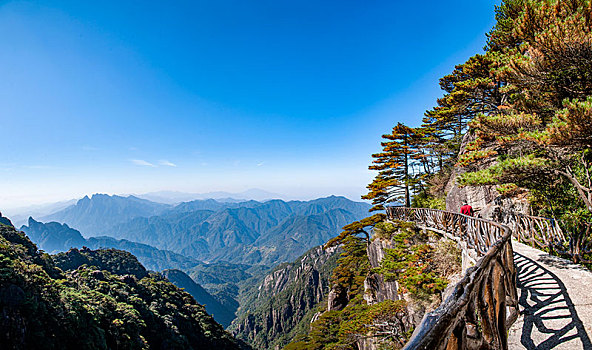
485	200
5	221
376	289
337	298
285	301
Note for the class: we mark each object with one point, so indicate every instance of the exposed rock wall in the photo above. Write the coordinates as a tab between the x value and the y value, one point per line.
485	200
285	298
376	289
337	298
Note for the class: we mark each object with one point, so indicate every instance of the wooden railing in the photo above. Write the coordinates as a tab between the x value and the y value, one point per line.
535	231
484	303
479	234
546	234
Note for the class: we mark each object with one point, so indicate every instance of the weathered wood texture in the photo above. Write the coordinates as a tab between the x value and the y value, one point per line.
484	303
546	234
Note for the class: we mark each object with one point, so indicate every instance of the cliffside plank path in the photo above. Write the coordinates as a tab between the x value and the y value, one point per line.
514	296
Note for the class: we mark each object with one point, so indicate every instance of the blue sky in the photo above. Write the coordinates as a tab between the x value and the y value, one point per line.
200	96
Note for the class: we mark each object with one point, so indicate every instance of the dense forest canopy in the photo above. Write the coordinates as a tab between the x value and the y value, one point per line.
95	299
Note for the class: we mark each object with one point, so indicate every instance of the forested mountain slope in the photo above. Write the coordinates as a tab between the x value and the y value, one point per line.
226	281
221	313
54	237
102	299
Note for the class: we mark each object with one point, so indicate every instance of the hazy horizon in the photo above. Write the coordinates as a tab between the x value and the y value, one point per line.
292	98
8	210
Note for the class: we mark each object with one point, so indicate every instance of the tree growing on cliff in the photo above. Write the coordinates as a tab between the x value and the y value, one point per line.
357	228
397	166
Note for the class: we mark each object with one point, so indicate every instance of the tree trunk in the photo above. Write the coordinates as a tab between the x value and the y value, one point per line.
407	199
583	192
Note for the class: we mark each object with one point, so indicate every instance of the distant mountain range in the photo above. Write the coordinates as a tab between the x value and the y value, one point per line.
54	238
174	197
20	215
247	232
224	247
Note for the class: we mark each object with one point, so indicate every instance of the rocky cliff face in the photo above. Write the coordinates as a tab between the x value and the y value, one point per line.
283	304
485	200
376	289
381	290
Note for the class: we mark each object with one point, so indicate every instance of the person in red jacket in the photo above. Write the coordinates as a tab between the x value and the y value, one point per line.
466	209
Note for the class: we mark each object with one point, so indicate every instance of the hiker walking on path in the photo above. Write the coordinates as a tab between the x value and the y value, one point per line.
466	209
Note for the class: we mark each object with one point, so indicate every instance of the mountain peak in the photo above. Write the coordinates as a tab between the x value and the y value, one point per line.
93	215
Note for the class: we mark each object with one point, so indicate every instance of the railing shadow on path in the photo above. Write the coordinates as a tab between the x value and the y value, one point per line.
550	317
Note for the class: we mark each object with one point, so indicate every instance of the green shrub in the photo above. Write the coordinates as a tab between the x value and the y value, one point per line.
411	263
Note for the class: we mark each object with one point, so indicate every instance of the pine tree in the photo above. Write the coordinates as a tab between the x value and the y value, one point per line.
471	89
397	166
356	228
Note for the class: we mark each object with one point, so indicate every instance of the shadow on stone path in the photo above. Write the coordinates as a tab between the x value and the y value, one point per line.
549	317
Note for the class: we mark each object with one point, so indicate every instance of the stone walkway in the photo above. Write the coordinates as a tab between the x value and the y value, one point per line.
555	299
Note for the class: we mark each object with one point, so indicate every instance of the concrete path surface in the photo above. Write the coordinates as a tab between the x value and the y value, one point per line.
555	299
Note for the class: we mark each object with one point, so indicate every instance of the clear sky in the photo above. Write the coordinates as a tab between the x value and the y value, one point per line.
283	95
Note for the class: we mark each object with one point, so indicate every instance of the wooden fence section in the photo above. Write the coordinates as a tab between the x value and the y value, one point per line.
535	231
546	234
484	303
479	234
